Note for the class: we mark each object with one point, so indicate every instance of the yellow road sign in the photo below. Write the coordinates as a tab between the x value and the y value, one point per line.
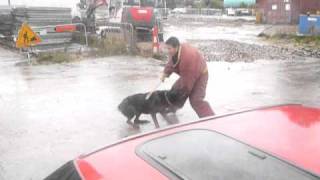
26	37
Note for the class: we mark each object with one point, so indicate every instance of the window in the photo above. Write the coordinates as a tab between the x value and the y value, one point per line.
204	154
274	7
288	7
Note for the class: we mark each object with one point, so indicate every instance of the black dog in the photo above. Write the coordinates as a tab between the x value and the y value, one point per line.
159	102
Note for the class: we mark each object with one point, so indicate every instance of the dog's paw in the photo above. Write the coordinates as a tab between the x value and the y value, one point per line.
136	126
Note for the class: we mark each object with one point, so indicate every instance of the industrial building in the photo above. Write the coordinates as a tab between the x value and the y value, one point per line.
285	11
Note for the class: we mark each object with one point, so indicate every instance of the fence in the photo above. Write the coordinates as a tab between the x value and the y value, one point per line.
202	11
121	31
162	12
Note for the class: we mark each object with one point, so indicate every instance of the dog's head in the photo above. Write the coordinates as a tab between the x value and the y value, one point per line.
176	97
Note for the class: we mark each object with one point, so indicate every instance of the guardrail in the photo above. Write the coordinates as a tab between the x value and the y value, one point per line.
61	28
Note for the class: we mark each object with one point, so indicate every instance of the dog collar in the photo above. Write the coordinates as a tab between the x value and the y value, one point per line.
178	58
167	99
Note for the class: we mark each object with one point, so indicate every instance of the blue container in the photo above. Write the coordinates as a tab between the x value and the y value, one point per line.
309	25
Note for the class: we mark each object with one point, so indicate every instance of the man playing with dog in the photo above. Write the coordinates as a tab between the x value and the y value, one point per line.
189	64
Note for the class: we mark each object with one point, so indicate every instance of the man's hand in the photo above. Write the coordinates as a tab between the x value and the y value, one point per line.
163	77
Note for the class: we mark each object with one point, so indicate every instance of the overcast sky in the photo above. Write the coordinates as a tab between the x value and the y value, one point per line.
56	3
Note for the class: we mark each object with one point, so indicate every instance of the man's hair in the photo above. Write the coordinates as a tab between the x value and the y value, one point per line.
173	41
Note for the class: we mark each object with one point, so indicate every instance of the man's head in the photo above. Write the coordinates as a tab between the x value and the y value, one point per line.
172	45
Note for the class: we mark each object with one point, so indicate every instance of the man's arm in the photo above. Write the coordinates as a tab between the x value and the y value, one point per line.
188	76
168	70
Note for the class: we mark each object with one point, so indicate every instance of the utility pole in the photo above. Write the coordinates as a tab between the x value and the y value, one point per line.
9	3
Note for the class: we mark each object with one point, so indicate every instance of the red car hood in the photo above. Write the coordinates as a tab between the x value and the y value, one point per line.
290	132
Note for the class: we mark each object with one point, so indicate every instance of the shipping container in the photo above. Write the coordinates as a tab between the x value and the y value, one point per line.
309	25
285	11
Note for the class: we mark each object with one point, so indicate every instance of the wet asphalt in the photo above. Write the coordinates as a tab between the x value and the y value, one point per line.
50	114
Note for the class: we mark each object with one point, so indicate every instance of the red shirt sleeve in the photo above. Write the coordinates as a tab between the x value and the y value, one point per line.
169	69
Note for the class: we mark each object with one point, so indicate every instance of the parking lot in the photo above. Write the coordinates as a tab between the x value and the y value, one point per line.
53	113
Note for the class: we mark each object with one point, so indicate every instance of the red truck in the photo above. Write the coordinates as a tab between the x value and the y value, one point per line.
143	17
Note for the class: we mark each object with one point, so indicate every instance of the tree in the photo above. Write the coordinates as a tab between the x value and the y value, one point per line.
243	5
218	4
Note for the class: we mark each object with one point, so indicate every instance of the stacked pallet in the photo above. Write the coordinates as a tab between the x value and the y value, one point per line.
41	19
6	21
42	16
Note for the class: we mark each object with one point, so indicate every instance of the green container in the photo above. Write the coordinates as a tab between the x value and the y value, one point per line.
238	3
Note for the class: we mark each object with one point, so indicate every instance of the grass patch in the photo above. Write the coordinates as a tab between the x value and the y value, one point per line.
310	41
53	57
108	46
100	48
160	56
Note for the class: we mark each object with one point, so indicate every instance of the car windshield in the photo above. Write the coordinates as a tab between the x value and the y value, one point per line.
204	154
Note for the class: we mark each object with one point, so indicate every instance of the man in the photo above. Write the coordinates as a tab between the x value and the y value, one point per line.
189	64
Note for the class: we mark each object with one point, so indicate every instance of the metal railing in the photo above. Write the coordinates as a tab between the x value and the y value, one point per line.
124	31
163	12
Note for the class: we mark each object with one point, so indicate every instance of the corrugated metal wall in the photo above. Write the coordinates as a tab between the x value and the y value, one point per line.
295	11
279	11
286	11
311	6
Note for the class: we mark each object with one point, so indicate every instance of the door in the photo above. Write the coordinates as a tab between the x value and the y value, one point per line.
279	11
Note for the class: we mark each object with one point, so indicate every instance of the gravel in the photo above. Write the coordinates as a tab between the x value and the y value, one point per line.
233	51
218	46
195	21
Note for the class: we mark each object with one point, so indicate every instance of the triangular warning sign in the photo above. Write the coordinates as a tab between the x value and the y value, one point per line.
26	37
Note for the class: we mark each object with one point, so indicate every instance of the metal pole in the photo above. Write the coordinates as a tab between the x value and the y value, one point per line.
9	3
85	33
29	56
165	8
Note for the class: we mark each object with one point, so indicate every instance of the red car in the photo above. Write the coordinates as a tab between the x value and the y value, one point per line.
275	143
